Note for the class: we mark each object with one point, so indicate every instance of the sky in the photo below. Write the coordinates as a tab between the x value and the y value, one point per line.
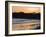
25	9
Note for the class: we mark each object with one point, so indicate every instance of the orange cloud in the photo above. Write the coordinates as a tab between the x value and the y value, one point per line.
25	9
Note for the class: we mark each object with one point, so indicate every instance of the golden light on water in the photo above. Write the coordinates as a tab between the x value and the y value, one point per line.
25	9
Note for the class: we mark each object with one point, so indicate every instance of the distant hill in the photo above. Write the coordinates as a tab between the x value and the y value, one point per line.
26	15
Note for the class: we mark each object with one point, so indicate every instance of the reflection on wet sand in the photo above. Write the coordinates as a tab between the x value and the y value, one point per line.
25	24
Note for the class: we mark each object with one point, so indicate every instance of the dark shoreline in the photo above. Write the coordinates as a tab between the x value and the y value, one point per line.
26	15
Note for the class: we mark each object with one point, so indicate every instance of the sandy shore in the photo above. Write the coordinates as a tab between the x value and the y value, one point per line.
25	24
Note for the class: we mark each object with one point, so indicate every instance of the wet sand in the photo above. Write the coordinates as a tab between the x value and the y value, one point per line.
25	24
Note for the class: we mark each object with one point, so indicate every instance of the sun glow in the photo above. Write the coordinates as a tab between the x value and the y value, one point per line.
25	9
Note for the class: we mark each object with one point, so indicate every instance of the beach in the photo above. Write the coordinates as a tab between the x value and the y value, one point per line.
25	24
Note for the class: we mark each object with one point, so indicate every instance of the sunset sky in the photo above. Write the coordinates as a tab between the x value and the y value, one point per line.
25	9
